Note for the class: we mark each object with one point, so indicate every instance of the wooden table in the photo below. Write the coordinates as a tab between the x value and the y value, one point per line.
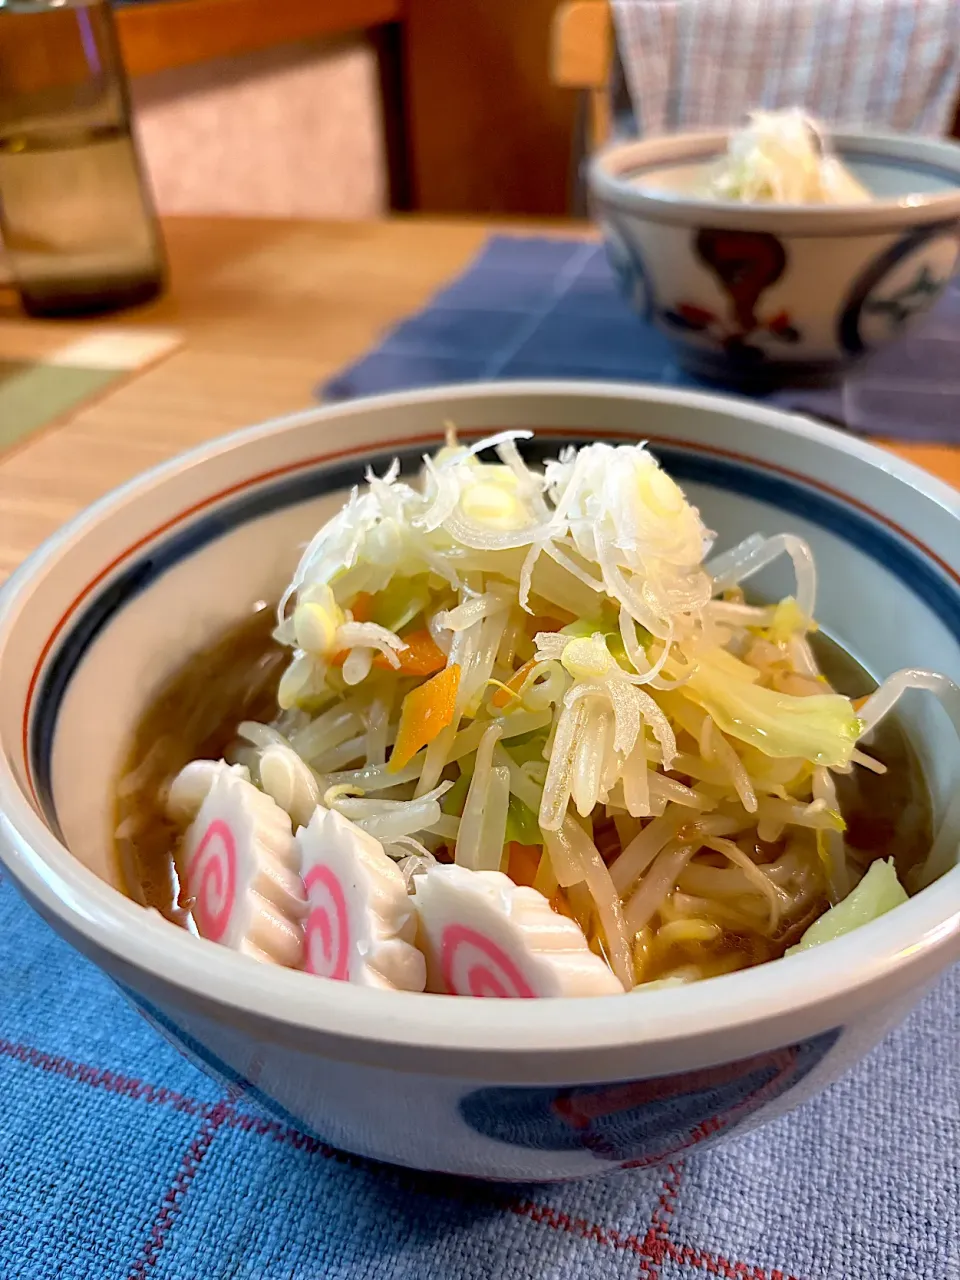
267	309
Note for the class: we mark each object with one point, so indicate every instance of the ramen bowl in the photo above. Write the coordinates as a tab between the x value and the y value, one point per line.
761	294
502	1089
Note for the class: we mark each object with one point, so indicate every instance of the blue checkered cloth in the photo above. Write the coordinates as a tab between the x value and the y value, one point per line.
543	307
120	1161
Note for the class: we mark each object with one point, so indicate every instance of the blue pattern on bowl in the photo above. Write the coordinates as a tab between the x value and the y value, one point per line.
905	302
636	1123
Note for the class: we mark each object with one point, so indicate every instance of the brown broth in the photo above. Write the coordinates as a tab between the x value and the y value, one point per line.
195	714
888	815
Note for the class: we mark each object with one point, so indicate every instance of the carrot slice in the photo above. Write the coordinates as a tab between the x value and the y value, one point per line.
425	712
421	657
523	861
361	606
501	697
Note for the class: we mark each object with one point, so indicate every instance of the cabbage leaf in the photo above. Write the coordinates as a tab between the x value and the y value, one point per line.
822	728
877	893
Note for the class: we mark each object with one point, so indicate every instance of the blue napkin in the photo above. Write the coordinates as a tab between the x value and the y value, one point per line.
545	307
120	1161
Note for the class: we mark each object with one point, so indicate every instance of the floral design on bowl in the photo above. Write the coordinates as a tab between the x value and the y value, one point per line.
745	264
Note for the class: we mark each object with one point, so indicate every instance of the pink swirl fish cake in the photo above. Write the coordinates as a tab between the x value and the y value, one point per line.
238	866
485	936
361	925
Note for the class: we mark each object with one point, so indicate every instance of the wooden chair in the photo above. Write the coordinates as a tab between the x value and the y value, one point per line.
582	47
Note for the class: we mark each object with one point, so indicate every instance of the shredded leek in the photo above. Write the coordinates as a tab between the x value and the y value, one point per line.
781	157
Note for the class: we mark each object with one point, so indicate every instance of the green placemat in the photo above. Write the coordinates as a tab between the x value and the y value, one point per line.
35	393
32	395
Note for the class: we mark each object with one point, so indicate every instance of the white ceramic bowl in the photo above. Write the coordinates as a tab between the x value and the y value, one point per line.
491	1088
760	294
